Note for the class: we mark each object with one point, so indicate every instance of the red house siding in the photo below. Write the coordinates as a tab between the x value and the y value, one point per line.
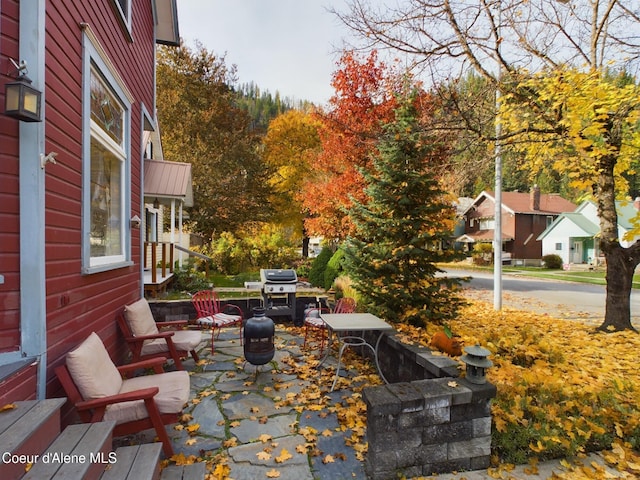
21	386
76	304
9	197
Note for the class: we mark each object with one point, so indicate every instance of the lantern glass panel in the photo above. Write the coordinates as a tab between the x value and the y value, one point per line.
12	101
31	102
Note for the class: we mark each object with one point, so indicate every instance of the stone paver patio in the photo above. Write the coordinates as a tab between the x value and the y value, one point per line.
281	420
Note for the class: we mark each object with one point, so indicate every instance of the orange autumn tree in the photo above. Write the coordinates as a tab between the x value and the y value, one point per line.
363	101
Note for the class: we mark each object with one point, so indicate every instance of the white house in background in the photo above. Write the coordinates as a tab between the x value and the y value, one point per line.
574	236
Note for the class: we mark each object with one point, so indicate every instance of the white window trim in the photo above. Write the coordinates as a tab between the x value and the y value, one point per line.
487	223
94	58
124	16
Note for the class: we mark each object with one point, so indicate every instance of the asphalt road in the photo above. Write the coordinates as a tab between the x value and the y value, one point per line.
558	298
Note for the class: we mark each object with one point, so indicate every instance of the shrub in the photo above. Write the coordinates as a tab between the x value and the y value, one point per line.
552	261
482	253
334	268
302	267
344	288
265	247
318	267
188	279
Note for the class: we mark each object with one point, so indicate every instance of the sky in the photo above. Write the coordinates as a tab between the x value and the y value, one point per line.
289	46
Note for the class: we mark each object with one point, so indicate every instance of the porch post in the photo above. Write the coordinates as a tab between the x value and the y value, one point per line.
33	312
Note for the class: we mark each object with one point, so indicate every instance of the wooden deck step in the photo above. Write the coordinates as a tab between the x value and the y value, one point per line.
79	452
138	462
27	429
195	471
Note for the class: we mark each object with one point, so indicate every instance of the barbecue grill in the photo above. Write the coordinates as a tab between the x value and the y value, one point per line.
279	292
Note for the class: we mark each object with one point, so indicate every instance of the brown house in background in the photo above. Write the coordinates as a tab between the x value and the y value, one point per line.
524	217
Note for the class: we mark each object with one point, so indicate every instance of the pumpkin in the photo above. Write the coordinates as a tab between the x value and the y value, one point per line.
446	344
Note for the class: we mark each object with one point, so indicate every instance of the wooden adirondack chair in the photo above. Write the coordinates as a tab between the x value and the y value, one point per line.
145	340
211	314
94	385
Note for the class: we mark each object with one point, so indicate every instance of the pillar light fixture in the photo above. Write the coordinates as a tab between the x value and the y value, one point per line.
21	99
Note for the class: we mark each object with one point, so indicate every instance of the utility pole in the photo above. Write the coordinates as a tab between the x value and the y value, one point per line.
497	227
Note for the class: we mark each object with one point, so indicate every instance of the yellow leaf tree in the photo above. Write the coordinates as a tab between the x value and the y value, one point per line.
499	39
584	124
291	140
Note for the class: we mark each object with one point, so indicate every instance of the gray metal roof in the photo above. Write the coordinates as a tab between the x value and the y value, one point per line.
168	180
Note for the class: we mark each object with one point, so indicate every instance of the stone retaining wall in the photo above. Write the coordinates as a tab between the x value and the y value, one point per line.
427	420
427	427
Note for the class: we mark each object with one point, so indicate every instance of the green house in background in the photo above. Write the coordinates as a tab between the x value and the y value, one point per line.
574	236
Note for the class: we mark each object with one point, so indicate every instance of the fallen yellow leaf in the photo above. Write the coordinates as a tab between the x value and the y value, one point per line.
194	427
263	455
8	406
273	473
284	456
221	471
232	442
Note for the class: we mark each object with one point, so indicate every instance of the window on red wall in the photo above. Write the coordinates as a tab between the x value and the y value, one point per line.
123	10
106	167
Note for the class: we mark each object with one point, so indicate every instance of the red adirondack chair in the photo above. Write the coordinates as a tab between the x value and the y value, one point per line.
145	340
94	385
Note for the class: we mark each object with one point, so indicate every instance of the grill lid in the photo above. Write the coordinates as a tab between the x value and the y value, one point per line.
278	276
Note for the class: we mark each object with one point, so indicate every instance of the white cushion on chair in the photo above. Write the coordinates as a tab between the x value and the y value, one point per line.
219	320
315	322
186	340
140	318
205	320
92	370
223	319
174	393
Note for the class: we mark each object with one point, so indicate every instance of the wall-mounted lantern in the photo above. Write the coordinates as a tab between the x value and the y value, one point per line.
21	100
477	363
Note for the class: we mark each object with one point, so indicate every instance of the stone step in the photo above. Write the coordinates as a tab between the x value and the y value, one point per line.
26	429
80	452
195	471
137	462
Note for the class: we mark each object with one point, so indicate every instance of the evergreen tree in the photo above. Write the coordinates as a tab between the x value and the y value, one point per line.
403	228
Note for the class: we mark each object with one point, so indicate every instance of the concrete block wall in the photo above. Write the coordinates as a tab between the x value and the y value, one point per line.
400	362
428	426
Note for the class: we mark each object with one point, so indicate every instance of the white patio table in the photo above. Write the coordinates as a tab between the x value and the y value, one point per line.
341	323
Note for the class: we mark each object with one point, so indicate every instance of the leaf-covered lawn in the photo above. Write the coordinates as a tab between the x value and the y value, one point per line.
563	389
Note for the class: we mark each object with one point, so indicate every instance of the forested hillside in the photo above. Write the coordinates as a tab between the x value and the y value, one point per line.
263	107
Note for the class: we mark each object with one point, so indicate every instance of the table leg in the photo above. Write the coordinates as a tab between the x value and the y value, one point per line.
353	341
328	352
375	356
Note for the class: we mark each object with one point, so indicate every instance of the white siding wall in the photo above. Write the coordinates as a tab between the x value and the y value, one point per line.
549	247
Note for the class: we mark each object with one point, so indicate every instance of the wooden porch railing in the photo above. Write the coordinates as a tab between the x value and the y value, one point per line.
166	248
